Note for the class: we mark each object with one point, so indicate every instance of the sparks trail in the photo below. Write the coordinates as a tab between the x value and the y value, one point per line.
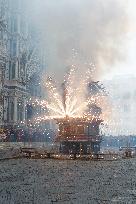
73	99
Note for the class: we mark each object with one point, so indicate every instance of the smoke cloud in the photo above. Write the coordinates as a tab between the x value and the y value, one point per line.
96	29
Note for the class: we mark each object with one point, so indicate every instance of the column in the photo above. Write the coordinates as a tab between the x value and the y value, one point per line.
24	110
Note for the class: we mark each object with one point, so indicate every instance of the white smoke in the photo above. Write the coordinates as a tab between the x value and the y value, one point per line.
97	29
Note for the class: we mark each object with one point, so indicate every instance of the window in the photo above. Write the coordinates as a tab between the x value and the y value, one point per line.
14	47
10	69
12	111
19	111
13	70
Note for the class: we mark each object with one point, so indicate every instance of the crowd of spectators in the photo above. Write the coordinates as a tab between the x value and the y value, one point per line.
26	134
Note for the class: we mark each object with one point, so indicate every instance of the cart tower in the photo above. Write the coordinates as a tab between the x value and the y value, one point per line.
79	135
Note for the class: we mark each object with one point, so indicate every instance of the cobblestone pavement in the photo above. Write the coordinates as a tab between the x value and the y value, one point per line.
46	181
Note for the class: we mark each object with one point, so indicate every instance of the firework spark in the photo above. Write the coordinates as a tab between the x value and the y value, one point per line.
71	100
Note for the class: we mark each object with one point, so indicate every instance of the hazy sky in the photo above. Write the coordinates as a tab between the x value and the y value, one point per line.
101	31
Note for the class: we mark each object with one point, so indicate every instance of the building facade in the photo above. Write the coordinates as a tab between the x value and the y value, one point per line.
17	62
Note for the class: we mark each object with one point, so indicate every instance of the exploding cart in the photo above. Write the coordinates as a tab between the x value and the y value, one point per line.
79	135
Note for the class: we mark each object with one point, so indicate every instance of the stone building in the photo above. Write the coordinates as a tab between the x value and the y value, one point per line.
18	62
3	53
